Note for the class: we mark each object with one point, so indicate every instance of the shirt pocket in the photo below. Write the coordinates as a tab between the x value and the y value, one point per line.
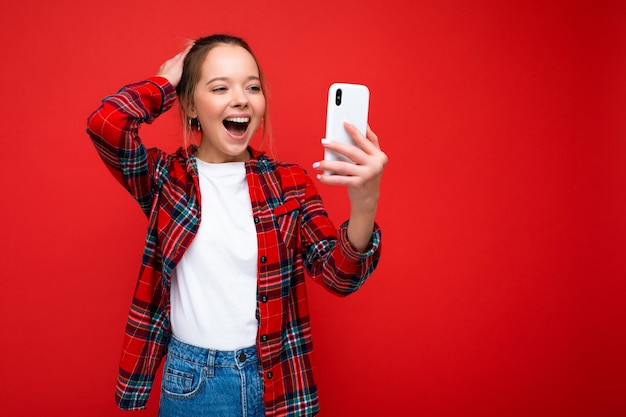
288	221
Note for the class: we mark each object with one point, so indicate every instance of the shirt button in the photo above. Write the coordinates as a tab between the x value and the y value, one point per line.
263	259
264	338
264	298
257	220
270	375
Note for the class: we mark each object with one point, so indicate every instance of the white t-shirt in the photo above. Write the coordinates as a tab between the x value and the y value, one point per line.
214	287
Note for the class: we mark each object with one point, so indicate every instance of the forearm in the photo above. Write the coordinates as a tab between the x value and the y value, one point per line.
115	122
360	228
331	258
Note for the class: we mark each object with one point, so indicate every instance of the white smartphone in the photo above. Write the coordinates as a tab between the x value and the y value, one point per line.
346	102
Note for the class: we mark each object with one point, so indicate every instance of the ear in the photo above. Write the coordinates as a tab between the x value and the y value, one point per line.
190	110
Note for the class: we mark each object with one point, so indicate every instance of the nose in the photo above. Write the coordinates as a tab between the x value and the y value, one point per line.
239	98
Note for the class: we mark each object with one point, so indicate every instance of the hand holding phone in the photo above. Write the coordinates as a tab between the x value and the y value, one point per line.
346	102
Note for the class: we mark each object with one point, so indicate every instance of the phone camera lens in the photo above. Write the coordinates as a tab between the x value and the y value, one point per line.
338	97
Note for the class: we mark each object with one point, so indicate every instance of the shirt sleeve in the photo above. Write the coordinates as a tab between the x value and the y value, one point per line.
329	258
114	130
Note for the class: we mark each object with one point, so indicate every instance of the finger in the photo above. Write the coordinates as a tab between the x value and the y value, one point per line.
177	60
373	137
340	168
185	51
354	153
341	180
360	140
369	145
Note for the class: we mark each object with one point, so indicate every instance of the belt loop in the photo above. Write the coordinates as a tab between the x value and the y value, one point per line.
210	362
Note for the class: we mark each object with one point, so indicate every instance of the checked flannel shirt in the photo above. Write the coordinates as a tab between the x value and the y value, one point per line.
294	234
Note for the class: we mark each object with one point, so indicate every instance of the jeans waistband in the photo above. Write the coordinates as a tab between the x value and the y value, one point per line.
209	357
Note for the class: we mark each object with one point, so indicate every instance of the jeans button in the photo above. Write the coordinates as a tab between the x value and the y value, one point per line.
242	357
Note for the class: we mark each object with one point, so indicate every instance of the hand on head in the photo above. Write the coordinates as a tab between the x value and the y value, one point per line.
172	69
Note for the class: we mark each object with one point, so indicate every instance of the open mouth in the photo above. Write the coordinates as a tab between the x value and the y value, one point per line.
236	126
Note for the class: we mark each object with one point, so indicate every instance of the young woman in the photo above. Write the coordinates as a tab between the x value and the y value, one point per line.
221	291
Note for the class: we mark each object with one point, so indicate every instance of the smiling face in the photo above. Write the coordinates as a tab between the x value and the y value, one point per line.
229	103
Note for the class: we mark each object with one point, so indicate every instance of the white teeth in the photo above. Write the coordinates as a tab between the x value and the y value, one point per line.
238	119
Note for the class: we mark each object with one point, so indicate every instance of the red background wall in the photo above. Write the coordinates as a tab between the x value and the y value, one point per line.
502	284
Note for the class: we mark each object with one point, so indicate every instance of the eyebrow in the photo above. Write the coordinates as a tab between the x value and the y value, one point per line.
251	77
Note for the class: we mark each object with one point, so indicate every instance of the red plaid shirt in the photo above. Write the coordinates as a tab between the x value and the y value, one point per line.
293	231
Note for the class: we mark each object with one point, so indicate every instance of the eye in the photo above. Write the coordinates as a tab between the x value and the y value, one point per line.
220	89
255	88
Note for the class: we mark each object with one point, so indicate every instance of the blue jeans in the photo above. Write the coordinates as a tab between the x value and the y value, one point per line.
204	382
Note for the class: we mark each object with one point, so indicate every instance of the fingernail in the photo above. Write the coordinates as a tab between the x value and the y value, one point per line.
326	141
319	176
316	165
346	121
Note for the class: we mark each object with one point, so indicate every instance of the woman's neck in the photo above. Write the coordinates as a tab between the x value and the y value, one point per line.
205	154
